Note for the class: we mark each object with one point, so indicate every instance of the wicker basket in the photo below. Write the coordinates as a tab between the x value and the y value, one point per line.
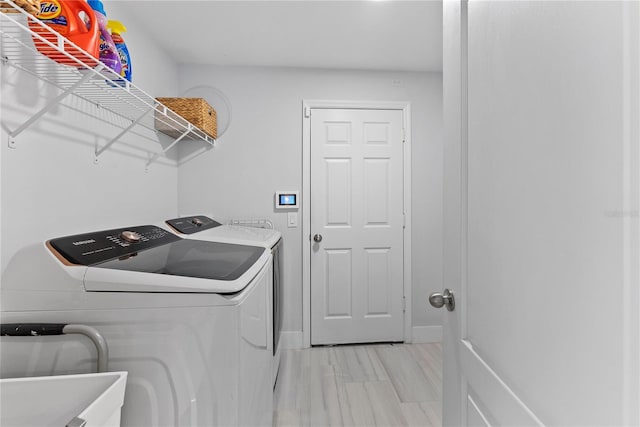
31	6
195	110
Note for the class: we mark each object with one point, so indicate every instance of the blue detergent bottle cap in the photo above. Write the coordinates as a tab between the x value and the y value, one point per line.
97	6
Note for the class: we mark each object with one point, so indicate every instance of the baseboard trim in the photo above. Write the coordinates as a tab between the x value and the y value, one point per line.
426	334
291	340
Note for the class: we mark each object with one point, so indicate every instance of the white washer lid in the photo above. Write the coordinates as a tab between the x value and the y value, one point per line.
239	235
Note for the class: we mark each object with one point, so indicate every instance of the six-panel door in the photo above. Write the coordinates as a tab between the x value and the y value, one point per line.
357	216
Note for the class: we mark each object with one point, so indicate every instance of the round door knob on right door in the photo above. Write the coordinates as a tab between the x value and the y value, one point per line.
317	238
445	298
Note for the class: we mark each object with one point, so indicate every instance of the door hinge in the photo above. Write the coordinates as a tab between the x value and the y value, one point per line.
404	304
307	112
404	135
404	220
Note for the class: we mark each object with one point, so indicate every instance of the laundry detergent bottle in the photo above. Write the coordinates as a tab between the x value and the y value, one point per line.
73	19
108	52
117	29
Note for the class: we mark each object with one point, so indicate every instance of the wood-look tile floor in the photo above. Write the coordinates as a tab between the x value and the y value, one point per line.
360	385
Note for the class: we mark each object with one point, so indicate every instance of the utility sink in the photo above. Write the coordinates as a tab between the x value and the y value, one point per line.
67	400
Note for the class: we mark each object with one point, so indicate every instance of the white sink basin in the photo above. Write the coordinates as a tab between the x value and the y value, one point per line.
57	400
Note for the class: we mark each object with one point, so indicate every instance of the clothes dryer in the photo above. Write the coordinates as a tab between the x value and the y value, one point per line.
187	319
204	228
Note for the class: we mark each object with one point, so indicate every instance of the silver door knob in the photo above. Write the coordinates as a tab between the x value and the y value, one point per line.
445	298
317	238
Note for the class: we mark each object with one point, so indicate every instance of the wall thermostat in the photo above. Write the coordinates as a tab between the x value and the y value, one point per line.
287	200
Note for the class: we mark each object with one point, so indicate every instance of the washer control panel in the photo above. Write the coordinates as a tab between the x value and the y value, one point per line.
100	246
192	224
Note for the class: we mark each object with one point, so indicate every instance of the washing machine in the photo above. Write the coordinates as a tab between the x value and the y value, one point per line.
188	319
204	228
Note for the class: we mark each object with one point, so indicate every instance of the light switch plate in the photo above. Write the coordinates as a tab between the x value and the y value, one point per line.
292	219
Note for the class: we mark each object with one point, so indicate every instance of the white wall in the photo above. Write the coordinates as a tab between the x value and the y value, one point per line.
262	153
50	186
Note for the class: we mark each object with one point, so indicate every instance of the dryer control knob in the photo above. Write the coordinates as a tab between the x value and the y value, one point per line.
197	222
130	236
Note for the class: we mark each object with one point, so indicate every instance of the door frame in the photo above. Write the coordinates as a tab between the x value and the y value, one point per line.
307	106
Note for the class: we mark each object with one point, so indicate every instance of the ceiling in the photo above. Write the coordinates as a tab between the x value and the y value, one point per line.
396	35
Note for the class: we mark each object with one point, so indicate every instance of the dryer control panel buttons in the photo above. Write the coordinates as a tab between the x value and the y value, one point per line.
192	224
100	246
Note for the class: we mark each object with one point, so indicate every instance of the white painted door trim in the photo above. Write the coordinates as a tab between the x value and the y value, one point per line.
307	105
631	210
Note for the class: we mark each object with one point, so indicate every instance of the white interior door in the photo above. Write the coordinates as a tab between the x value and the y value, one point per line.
541	204
357	226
